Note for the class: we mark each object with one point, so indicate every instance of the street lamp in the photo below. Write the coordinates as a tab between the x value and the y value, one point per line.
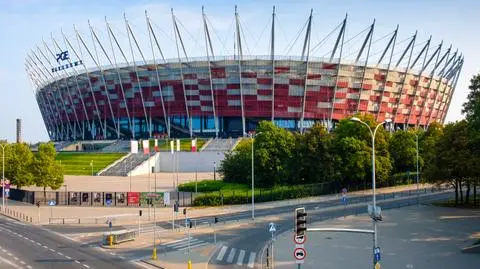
418	180
91	166
355	119
253	177
3	176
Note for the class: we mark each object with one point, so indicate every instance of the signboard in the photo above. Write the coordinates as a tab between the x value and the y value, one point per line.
299	240
166	198
156	145
156	197
52	202
272	228
376	254
133	198
299	254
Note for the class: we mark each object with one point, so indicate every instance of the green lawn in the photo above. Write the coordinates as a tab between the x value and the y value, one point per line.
78	163
185	144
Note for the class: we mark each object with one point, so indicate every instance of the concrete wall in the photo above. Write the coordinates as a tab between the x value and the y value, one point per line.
190	161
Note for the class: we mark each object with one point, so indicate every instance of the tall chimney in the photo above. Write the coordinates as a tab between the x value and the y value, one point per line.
19	130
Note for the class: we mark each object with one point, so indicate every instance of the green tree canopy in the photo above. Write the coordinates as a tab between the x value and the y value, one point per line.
18	161
47	172
236	166
403	151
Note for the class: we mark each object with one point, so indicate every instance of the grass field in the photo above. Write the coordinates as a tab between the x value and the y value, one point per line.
185	144
212	185
78	163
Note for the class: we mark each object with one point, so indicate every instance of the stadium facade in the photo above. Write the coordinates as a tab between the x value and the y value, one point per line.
81	97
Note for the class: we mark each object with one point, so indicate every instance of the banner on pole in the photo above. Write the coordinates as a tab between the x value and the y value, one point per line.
133	146
178	144
171	146
146	147
156	145
194	145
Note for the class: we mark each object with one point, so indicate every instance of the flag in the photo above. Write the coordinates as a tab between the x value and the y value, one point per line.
146	147
171	146
156	145
133	146
178	144
194	145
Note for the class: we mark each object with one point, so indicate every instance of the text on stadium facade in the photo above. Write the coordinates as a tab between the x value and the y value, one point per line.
63	56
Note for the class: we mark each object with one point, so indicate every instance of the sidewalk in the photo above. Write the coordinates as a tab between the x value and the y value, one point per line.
129	215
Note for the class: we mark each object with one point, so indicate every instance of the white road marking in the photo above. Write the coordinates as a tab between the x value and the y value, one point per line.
231	255
9	254
39	244
29	267
60	253
241	255
45	247
111	253
4	250
15	258
251	260
9	262
22	262
221	253
173	242
52	250
77	261
68	257
84	265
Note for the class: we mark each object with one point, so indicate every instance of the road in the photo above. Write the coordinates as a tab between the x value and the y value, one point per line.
32	247
241	247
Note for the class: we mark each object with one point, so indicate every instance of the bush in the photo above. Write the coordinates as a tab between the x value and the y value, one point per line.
211	186
233	196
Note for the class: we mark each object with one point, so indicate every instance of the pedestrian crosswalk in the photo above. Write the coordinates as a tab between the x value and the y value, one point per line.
184	244
239	257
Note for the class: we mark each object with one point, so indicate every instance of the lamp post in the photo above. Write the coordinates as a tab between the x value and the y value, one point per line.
253	176
418	179
3	176
355	119
91	166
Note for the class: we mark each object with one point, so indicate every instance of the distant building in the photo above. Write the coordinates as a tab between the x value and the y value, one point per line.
19	130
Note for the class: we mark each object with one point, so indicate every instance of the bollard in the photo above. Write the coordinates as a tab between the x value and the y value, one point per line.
154	254
189	264
110	240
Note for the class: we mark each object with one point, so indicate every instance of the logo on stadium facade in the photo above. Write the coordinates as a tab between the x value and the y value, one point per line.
61	57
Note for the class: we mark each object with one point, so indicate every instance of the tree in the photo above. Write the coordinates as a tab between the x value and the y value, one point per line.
403	151
47	173
313	159
347	128
454	162
235	166
273	150
353	161
18	160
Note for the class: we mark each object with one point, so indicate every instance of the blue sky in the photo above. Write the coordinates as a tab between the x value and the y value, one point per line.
23	24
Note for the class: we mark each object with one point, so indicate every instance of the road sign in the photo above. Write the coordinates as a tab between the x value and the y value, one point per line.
52	202
110	224
166	198
187	221
108	202
299	240
376	254
344	199
272	228
299	254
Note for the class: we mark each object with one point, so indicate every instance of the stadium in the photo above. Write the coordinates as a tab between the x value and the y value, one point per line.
90	87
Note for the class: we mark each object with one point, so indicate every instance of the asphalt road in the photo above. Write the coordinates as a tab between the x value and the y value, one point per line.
241	247
31	247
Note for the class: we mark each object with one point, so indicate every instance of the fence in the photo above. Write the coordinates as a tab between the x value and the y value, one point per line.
16	215
107	199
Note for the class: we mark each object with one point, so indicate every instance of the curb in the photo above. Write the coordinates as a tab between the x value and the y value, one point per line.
151	264
475	249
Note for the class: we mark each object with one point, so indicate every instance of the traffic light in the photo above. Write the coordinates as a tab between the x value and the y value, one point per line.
215	220
300	221
190	224
184	211
140	213
175	207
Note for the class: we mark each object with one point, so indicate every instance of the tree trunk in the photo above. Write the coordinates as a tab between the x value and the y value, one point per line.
467	194
45	194
456	192
460	190
475	193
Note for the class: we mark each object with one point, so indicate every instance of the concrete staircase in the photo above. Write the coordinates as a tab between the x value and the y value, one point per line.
118	146
219	144
126	165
